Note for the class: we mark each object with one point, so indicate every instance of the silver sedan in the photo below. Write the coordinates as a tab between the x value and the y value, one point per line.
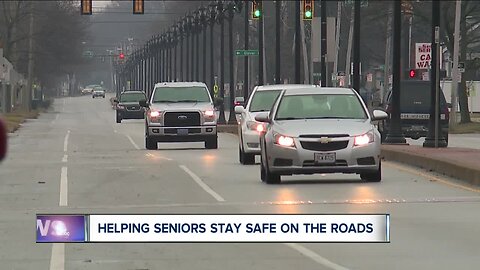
320	130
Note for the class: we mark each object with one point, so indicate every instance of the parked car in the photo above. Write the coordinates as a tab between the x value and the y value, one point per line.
239	101
415	110
89	89
320	130
261	99
180	112
127	106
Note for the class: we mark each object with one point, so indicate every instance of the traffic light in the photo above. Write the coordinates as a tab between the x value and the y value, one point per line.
138	6
86	7
412	73
257	9
121	56
307	9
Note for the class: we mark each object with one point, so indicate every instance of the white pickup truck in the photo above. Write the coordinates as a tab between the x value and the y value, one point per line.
180	112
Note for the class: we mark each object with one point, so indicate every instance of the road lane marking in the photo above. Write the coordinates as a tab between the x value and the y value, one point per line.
63	187
57	260
54	120
202	184
65	142
431	177
315	257
65	159
133	143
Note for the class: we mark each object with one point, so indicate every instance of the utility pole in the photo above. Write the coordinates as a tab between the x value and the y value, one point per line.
337	39
221	118
349	50
246	84
277	42
261	79
356	47
297	42
455	73
388	48
323	60
232	119
435	138
28	92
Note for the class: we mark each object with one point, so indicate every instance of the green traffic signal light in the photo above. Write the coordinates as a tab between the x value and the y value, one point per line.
308	14
257	13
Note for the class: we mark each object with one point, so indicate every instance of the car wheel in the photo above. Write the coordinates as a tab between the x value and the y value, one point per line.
150	144
265	174
446	137
373	176
93	96
212	143
248	159
119	119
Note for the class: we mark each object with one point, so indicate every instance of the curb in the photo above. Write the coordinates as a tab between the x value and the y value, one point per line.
459	171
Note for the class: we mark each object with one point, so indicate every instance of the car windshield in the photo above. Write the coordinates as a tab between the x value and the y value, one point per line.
132	97
181	94
263	100
320	106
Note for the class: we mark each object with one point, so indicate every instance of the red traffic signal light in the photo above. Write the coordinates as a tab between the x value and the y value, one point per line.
412	73
257	11
121	56
307	9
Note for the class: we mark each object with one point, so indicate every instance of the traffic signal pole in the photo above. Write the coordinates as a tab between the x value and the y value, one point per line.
297	42
245	59
395	135
323	18
435	137
277	42
261	80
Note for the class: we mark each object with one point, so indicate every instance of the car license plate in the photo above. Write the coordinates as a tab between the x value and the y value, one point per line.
182	131
324	158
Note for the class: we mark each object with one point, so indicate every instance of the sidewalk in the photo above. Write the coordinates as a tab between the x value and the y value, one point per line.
460	163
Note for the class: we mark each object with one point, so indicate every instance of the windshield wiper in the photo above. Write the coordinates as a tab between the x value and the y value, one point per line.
165	101
260	111
187	100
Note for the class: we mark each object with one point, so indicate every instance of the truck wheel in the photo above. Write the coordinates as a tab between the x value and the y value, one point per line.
212	143
150	144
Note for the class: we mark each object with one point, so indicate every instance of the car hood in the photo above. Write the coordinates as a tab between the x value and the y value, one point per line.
183	106
130	103
295	128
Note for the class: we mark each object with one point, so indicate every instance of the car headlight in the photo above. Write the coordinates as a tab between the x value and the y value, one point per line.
284	141
256	126
209	115
364	139
155	116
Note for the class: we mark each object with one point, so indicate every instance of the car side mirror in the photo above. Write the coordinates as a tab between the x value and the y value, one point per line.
263	117
239	109
449	105
379	115
143	103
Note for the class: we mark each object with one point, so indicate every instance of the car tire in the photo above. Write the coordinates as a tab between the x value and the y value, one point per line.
150	144
93	96
373	176
212	143
265	174
119	119
446	137
245	158
240	155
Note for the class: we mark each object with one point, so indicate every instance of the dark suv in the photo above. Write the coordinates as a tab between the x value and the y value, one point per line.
415	110
127	106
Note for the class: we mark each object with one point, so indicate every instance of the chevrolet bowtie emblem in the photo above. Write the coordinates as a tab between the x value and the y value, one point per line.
325	140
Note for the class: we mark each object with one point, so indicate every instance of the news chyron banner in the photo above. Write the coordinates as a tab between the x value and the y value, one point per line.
198	228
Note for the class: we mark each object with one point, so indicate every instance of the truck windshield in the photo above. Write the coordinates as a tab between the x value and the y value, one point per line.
132	97
181	94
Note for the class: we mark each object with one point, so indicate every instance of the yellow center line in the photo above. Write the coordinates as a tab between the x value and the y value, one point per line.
431	177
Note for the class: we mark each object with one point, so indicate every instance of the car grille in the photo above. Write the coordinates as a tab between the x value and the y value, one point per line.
133	108
330	146
322	136
181	119
338	163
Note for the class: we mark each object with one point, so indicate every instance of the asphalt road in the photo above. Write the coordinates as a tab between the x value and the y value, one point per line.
76	159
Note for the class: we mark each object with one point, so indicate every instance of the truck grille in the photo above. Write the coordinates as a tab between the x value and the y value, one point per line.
318	146
181	119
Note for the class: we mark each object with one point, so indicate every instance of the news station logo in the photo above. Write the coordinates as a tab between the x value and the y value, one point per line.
60	228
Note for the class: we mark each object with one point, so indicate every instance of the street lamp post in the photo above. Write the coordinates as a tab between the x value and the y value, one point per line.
297	42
